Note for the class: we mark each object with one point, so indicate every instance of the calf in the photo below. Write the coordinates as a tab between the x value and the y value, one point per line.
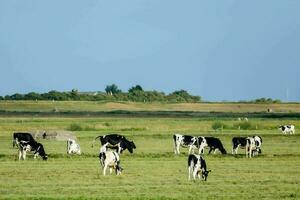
115	141
73	147
213	144
242	142
197	167
111	160
188	141
31	146
19	136
287	129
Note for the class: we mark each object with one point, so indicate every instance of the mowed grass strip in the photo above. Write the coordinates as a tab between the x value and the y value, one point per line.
96	106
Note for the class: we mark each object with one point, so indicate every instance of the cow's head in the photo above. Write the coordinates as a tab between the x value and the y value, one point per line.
45	157
126	144
118	169
41	151
282	128
132	144
205	174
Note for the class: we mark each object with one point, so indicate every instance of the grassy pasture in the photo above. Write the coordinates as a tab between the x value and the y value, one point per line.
153	171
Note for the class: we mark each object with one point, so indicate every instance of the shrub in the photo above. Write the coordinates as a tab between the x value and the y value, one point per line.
75	127
245	126
218	125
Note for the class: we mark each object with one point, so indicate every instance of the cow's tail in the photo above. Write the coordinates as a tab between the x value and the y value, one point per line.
95	140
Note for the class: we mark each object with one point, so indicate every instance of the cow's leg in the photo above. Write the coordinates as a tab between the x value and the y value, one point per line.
215	151
190	149
201	150
189	171
110	170
195	172
24	155
104	170
35	155
210	150
177	148
20	154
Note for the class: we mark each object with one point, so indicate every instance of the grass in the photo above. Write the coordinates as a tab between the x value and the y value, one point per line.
153	171
95	106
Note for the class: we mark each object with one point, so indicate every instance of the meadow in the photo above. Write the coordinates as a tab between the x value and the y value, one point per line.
152	171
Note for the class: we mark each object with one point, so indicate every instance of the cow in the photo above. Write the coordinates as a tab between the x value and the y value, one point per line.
188	141
111	160
213	144
287	129
197	167
73	147
242	143
116	141
21	136
31	146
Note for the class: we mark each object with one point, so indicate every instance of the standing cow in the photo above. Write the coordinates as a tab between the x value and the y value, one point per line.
188	141
212	143
31	146
255	142
197	167
21	136
111	160
287	129
116	141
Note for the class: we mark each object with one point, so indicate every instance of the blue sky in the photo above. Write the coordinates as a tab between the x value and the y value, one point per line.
221	50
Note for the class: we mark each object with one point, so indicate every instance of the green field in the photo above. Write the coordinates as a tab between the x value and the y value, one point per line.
153	171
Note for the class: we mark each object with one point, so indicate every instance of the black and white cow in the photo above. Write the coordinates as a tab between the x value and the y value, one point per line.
116	141
21	136
111	160
31	146
73	147
197	167
242	142
187	141
287	129
212	143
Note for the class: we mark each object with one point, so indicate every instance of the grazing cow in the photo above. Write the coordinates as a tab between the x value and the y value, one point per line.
213	144
111	160
17	137
287	129
31	146
115	141
197	167
242	143
73	147
187	141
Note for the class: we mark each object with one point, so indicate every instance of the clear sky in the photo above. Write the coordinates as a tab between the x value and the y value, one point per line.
221	50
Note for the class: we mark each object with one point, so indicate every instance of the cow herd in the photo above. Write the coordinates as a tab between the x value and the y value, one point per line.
111	159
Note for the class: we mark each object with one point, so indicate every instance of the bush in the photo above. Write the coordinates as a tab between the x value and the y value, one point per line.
218	125
245	126
75	127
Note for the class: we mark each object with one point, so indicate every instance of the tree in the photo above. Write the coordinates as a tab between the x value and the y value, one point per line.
32	96
17	96
112	89
135	88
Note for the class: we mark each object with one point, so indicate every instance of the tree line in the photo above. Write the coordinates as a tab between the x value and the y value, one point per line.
112	93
